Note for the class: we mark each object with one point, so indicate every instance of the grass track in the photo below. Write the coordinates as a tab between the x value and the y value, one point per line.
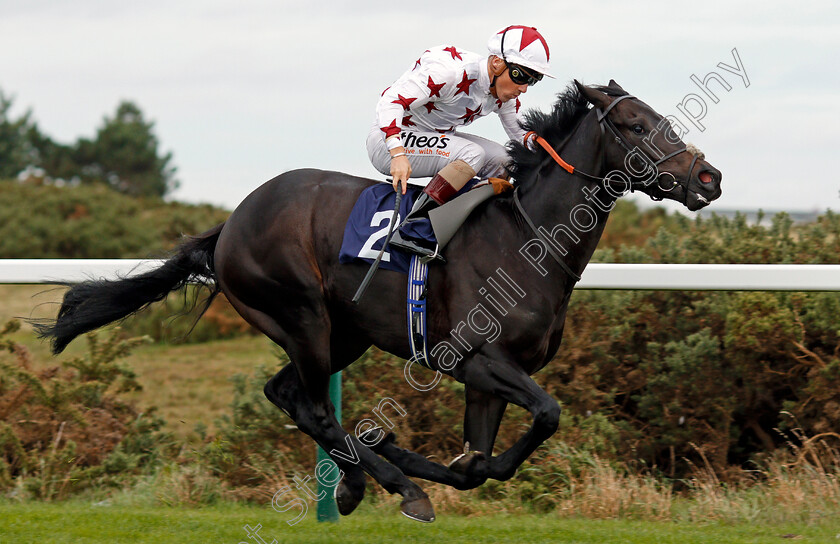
76	522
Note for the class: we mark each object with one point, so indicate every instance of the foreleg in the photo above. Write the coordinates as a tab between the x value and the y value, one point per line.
510	383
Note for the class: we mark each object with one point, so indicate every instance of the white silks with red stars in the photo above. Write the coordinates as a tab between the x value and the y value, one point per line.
446	89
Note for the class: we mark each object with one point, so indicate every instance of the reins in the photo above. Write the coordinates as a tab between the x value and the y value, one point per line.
543	238
603	120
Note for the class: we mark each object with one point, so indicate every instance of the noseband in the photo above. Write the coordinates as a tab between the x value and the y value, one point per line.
604	121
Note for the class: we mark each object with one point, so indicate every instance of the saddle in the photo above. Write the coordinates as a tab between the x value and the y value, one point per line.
369	222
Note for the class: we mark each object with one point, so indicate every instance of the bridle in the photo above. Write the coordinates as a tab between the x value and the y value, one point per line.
605	123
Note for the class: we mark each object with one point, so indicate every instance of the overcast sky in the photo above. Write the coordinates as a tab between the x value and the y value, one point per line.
242	91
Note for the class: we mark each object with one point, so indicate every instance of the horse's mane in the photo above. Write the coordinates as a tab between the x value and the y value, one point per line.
555	127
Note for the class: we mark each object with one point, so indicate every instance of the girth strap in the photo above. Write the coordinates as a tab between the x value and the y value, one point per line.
542	238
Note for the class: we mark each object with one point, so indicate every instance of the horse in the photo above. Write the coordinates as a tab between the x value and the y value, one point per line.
276	261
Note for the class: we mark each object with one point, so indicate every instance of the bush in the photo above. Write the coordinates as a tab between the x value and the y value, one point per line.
687	375
93	222
255	451
65	428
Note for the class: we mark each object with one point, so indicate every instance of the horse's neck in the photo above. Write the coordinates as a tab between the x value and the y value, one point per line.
572	209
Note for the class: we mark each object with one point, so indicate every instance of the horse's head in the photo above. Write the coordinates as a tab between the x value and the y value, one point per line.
642	144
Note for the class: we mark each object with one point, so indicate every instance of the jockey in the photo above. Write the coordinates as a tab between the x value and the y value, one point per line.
417	117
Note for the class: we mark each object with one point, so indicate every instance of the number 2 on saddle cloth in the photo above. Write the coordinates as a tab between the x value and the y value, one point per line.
370	220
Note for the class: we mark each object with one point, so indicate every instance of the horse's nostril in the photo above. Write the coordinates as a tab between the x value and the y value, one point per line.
706	176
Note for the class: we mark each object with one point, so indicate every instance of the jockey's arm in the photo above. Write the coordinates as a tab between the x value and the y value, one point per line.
400	168
510	121
393	107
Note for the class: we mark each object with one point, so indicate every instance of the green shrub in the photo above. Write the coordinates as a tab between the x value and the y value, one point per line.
688	375
65	428
93	222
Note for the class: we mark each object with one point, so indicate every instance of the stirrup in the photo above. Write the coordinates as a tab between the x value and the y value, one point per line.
417	249
420	210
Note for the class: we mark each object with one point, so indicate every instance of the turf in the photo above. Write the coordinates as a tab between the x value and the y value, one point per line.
86	523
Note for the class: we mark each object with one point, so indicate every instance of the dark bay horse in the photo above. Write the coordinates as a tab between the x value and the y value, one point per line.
276	260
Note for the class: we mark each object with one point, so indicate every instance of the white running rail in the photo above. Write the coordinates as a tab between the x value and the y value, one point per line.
703	277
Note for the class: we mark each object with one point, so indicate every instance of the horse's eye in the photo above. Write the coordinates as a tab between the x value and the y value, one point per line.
638	129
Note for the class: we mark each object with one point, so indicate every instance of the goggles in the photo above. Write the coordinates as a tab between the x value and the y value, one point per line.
522	76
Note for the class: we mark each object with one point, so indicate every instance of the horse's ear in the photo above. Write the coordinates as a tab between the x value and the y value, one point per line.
616	86
594	96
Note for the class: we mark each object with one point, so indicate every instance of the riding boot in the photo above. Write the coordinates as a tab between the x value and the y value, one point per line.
436	193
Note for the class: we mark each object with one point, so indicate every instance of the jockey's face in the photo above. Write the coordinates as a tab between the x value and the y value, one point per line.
504	89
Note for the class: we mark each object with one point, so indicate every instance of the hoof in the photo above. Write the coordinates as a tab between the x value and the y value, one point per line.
345	499
418	509
466	462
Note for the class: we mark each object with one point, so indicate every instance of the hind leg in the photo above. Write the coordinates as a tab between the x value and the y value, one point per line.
414	464
316	417
283	390
306	339
482	417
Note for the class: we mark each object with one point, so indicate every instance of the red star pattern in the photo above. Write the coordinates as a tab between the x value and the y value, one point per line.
499	103
529	36
403	101
407	122
434	89
442	131
470	116
464	86
454	52
430	106
517	105
391	129
417	62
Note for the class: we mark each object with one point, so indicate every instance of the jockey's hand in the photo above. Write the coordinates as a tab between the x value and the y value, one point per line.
400	171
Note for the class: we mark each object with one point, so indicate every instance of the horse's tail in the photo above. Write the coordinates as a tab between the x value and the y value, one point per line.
91	304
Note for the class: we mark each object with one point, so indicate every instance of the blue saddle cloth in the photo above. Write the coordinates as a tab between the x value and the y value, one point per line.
369	221
368	226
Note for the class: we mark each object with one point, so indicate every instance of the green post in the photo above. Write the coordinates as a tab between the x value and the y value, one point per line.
327	509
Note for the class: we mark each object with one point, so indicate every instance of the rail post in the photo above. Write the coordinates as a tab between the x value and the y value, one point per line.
327	509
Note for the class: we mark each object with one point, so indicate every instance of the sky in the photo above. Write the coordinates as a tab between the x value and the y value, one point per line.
242	91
